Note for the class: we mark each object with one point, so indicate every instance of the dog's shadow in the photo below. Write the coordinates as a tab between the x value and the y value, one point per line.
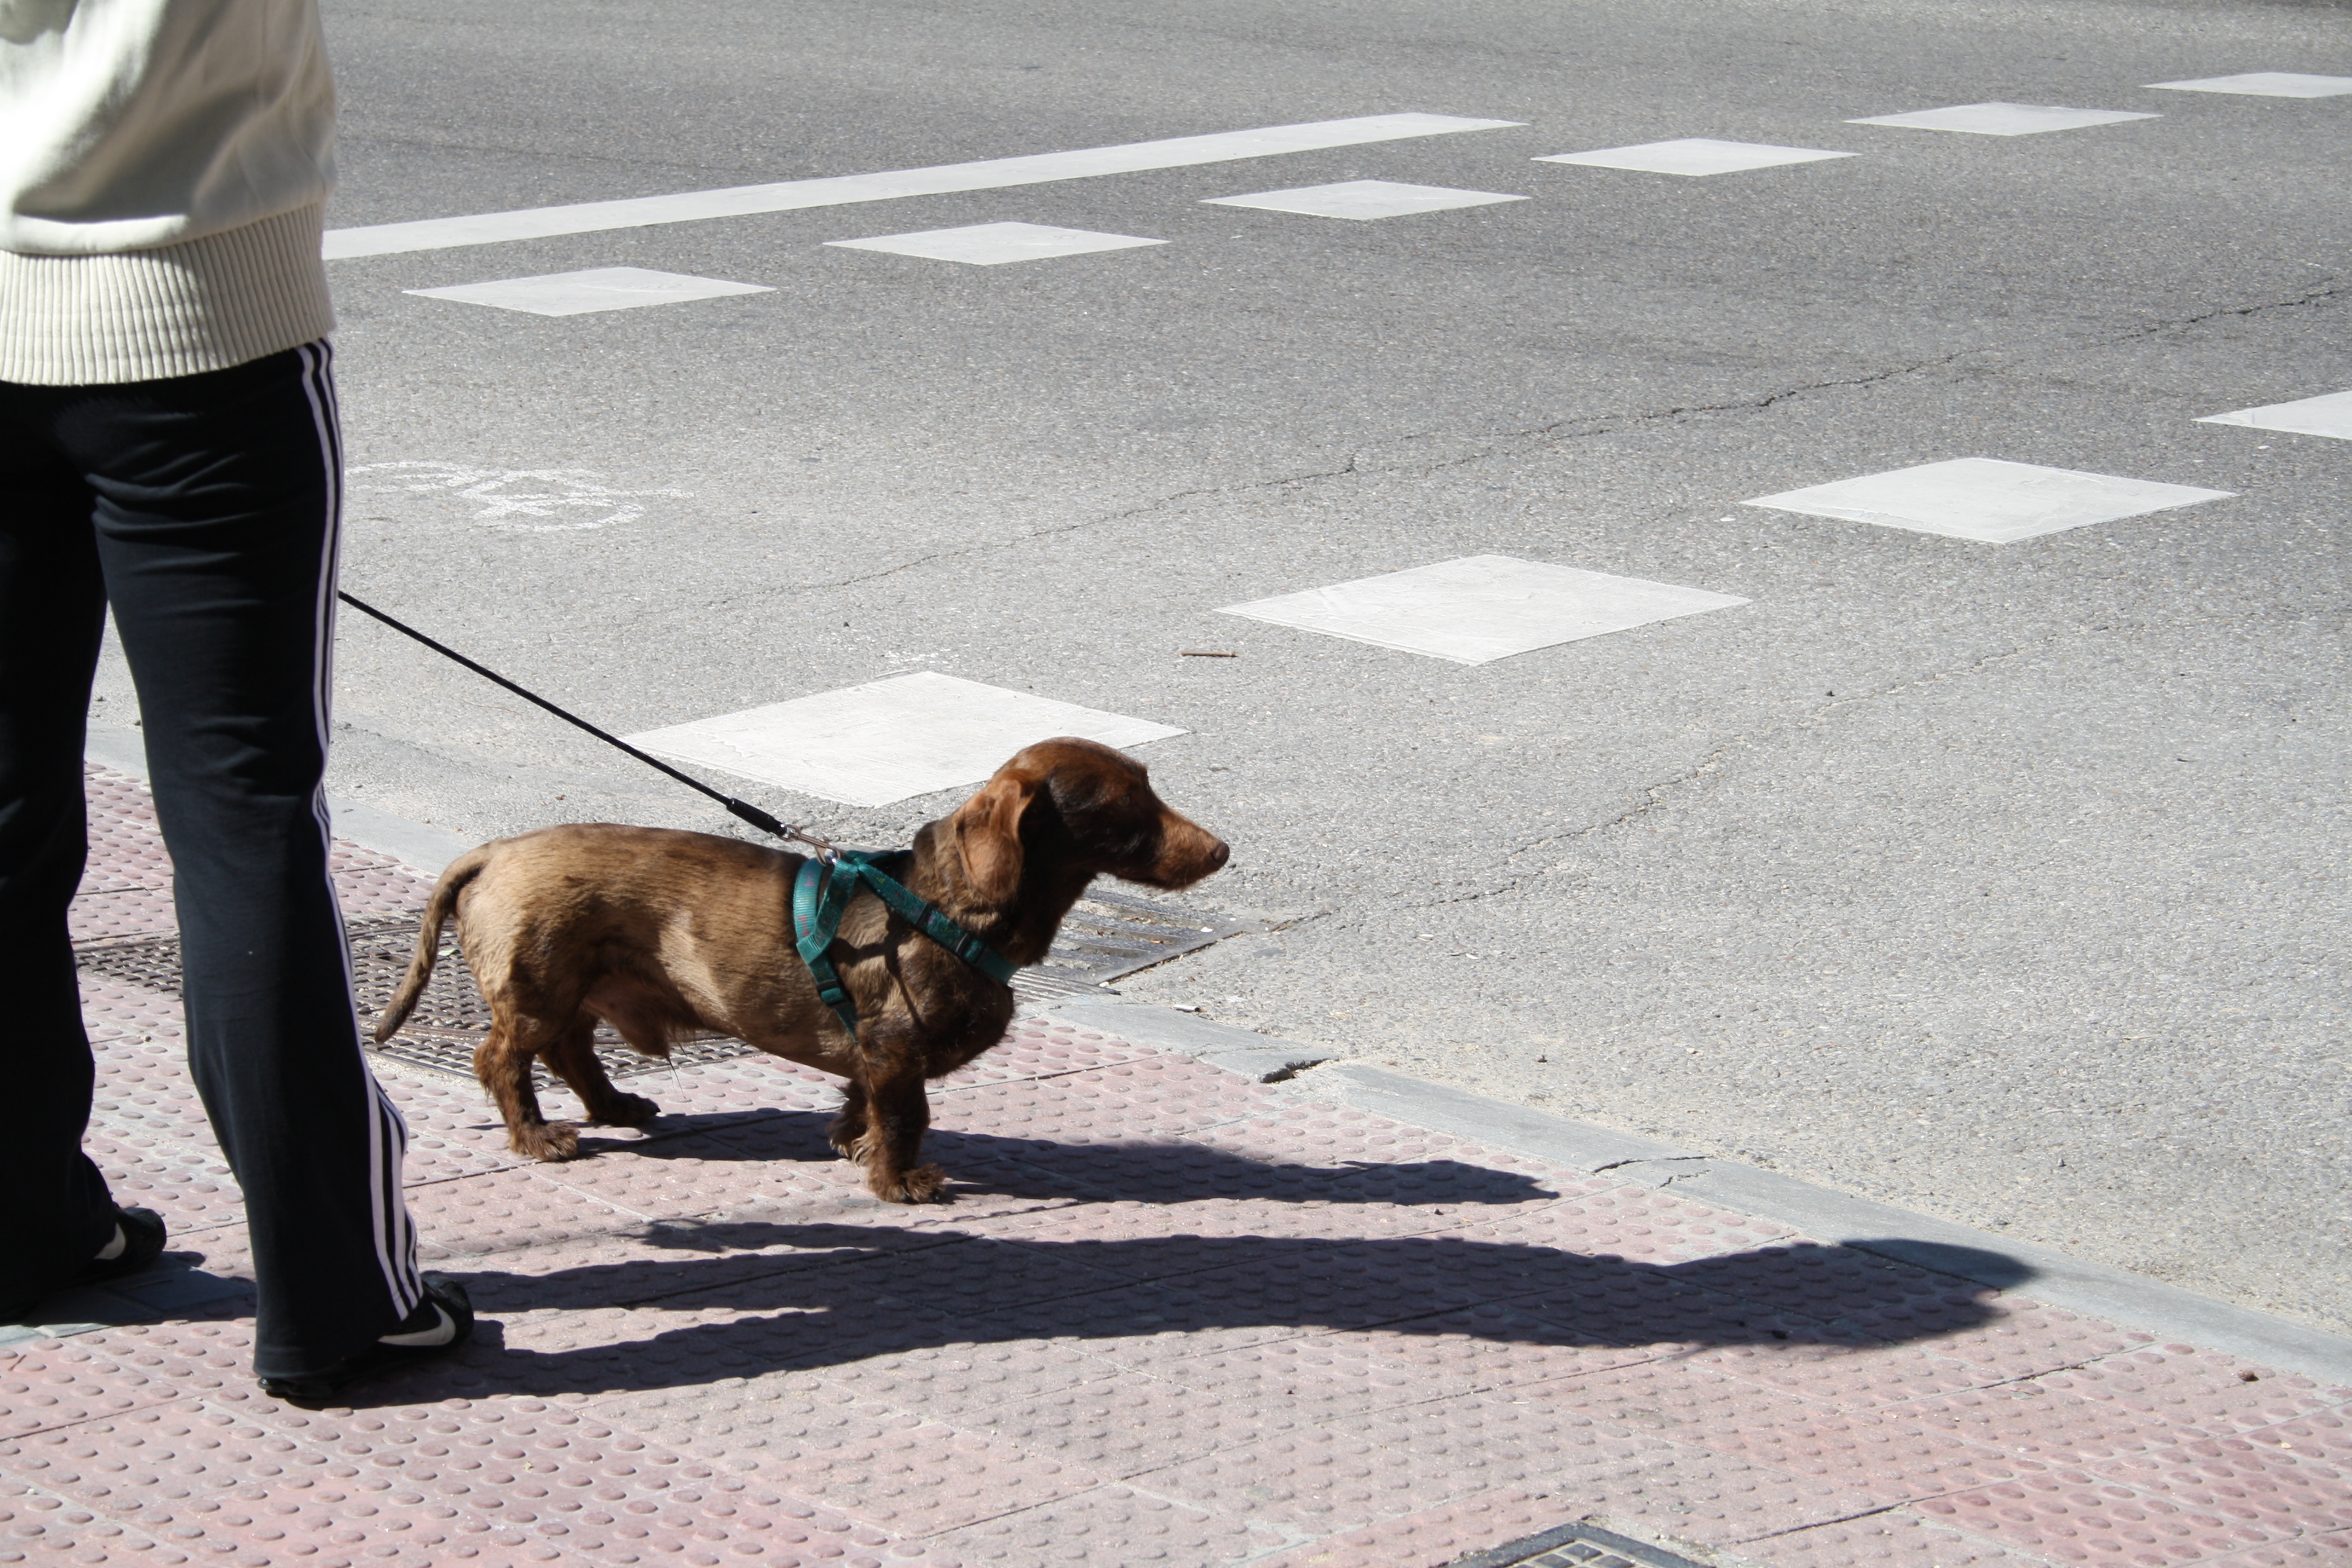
989	1164
785	1287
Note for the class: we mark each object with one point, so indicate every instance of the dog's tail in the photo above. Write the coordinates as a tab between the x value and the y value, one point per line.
437	909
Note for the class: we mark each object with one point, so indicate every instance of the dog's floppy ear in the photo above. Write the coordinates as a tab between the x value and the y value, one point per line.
988	835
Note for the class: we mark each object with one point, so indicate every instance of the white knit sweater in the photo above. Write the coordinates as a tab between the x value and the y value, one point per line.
163	168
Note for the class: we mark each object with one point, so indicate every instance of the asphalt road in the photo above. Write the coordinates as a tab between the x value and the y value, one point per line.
2005	882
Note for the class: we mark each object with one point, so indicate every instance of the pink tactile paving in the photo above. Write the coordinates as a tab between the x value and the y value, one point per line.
1639	1225
2239	1481
2204	1392
1451	1530
1895	1538
2325	1436
2073	1516
1309	1483
370	884
38	1526
100	916
1173	1316
1127	1422
967	1384
2329	1550
1036	1048
1113	1525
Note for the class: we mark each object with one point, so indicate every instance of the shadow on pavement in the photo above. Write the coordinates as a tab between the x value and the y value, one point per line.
782	1286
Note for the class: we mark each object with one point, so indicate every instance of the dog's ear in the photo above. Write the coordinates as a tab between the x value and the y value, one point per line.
988	835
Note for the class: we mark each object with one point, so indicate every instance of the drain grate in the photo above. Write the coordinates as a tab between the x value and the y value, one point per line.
1106	936
450	1018
1576	1546
1111	935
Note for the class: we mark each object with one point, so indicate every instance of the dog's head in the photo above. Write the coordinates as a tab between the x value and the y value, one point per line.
1084	808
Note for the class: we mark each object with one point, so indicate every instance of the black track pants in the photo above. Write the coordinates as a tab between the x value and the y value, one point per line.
204	510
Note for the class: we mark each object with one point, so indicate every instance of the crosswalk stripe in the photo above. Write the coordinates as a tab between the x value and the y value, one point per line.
988	174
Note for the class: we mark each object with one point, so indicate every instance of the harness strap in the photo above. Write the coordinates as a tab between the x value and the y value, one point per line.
821	895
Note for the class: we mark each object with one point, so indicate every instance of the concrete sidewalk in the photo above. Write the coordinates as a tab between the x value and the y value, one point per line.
1174	1315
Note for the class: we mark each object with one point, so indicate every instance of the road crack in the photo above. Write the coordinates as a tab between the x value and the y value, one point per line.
1655	794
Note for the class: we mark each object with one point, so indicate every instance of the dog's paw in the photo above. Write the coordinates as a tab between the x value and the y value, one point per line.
548	1141
627	1110
923	1184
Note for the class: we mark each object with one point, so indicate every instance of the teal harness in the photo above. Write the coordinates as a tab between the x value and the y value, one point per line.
821	894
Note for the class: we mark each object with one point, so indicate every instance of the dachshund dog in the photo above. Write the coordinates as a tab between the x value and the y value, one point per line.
665	934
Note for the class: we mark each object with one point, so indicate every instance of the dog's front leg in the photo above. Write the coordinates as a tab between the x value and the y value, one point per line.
898	1113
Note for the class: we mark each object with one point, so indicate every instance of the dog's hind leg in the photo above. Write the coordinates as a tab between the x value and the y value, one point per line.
848	1133
898	1113
572	1057
502	1062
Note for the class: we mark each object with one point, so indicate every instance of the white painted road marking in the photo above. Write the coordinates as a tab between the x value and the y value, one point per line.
1364	199
2265	84
994	244
1695	155
988	175
597	288
888	740
517	500
1480	608
1987	499
2003	119
2328	415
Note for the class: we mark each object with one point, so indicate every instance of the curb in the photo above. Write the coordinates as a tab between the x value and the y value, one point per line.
424	849
2001	1263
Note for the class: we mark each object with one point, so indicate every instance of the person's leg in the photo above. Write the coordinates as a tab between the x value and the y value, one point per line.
57	1213
217	519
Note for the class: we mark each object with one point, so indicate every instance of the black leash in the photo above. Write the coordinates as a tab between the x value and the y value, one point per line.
742	808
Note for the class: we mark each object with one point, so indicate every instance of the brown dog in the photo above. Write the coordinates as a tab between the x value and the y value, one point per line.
665	934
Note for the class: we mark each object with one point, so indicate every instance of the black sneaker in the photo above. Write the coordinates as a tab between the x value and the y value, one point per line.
445	1299
142	1243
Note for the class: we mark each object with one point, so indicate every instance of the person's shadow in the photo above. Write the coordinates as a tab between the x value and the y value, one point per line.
803	1286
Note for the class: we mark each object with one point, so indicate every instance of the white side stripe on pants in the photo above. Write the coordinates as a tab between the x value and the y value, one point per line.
395	1233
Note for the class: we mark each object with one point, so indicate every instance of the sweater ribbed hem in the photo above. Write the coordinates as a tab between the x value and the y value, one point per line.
178	310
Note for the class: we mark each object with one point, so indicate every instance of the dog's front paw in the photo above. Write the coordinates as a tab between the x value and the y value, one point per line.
923	1184
627	1110
548	1141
